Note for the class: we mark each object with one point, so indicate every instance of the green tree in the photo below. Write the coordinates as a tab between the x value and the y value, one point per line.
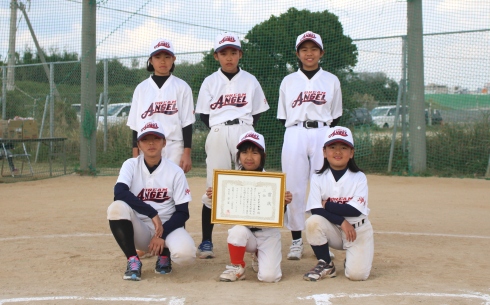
378	85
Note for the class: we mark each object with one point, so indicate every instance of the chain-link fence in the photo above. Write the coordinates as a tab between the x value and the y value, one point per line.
42	78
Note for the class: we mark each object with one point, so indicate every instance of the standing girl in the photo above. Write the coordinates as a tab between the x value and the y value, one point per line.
310	101
230	102
338	200
168	99
264	243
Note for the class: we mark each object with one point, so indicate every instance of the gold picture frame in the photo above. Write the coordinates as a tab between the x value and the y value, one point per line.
248	198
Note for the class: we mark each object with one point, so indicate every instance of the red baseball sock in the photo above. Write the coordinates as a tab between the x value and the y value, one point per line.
236	255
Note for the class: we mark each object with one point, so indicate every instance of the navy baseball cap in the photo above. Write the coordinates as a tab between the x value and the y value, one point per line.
339	134
151	127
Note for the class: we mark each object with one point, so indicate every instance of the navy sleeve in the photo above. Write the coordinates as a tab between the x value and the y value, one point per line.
135	139
187	134
256	118
122	192
333	218
205	119
283	122
345	210
335	122
177	220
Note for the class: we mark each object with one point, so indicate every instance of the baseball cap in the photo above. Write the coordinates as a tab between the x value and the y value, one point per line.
339	134
309	35
254	137
226	40
161	45
151	127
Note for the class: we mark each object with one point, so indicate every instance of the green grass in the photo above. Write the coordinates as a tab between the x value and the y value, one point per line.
458	101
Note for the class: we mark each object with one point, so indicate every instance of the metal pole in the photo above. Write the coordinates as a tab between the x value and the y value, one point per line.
415	60
42	125
4	93
404	94
397	120
11	52
51	97
106	90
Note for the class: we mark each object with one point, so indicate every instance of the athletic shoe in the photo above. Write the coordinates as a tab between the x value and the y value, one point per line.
205	250
133	271
255	262
163	265
296	249
232	273
331	254
321	270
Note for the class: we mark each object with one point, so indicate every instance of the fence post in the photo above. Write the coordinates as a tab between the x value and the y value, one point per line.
4	93
106	90
11	51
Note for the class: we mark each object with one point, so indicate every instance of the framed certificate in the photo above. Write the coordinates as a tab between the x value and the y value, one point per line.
248	198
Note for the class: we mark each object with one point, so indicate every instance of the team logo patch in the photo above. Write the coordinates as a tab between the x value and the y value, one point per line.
235	100
187	191
227	38
338	132
162	44
361	200
315	97
165	107
340	200
149	125
158	195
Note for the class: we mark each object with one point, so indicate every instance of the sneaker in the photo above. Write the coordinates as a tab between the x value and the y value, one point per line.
133	271
163	265
232	273
296	249
205	250
321	270
255	263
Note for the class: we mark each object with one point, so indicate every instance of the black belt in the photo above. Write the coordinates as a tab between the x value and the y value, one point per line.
357	225
232	122
255	229
313	124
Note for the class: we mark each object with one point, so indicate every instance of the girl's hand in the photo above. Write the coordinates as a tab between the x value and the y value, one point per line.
288	197
185	160
209	192
350	232
323	203
156	245
157	223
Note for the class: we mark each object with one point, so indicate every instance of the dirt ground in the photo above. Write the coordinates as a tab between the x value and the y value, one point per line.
432	246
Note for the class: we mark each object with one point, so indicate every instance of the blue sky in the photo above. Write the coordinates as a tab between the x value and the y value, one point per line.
462	59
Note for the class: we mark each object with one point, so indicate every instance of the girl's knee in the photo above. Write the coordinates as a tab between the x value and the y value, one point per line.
118	210
356	275
237	236
269	277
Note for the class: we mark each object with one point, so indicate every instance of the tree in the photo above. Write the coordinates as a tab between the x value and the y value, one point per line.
377	85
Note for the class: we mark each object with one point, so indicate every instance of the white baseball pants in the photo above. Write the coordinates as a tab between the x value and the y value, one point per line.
267	244
302	155
359	253
179	242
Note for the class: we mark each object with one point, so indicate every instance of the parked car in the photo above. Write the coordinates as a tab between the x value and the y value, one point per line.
78	109
359	116
436	117
116	114
384	116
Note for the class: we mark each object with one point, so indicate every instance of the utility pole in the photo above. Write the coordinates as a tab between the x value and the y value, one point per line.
88	87
416	102
11	53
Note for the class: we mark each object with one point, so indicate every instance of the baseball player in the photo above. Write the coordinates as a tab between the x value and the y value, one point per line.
338	202
168	99
230	102
150	207
264	243
310	101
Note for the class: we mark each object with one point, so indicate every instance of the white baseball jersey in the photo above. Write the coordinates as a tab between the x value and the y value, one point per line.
316	99
224	99
163	189
172	105
351	189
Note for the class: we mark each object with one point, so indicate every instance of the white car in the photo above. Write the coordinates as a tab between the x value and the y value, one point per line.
384	116
116	114
77	108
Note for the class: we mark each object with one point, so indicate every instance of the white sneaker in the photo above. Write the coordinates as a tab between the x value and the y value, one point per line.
331	254
232	273
255	263
296	249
